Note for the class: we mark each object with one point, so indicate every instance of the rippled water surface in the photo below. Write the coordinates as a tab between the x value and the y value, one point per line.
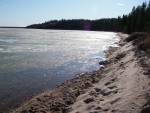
32	61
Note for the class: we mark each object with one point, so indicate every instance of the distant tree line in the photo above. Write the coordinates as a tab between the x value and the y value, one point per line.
136	21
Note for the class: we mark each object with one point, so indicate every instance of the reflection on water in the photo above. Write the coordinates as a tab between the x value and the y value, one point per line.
36	60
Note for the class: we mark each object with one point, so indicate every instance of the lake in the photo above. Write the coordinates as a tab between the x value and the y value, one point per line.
33	60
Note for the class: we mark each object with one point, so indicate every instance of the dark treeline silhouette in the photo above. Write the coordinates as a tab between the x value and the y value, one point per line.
136	21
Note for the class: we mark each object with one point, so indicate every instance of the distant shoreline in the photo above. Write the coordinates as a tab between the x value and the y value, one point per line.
10	27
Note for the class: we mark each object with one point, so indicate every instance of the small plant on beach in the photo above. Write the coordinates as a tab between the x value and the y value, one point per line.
136	36
141	40
143	44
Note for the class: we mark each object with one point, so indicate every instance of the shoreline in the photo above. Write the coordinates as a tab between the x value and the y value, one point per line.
113	88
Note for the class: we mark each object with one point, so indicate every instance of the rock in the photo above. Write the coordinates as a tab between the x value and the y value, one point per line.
89	107
111	81
94	112
97	89
89	100
77	92
112	87
115	91
105	109
38	99
88	84
108	83
114	110
58	106
120	56
91	93
98	108
101	99
66	110
116	100
95	79
105	92
69	101
104	62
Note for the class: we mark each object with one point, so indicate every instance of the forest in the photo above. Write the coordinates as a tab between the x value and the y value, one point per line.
138	20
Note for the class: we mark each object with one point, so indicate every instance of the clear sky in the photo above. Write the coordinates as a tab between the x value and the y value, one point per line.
26	12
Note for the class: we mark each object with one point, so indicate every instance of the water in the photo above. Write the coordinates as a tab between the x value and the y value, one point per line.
32	61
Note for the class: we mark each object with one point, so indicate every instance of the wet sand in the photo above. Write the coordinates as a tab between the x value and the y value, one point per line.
120	86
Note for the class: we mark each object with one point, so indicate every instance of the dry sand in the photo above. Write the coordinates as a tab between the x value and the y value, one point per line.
121	86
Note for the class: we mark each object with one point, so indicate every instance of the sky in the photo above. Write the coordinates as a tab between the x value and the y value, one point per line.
21	13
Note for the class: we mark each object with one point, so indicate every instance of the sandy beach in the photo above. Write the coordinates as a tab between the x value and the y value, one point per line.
120	86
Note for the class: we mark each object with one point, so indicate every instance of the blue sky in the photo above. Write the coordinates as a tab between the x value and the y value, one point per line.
25	12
